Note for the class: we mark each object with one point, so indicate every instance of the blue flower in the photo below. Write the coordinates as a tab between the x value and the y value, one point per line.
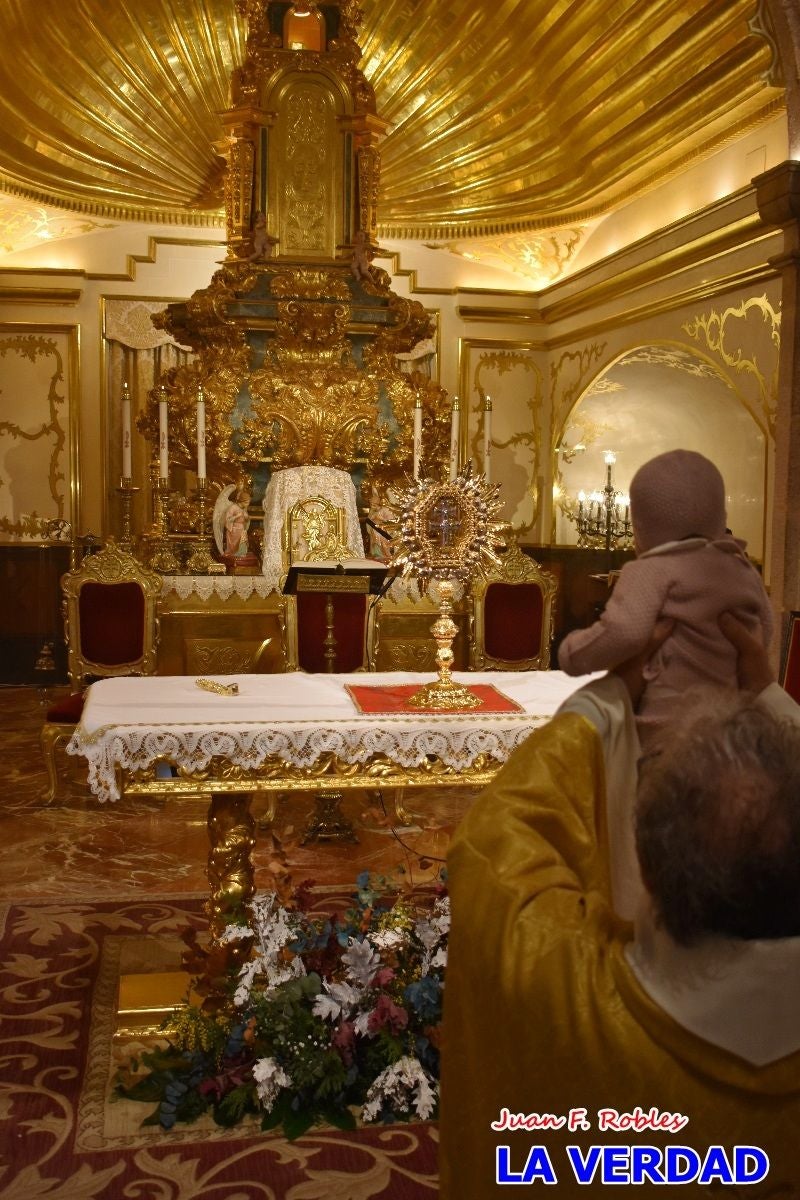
424	996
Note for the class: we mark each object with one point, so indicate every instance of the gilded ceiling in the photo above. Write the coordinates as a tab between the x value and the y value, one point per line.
507	117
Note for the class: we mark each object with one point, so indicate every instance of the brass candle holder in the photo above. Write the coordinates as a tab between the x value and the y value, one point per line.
163	559
126	492
200	561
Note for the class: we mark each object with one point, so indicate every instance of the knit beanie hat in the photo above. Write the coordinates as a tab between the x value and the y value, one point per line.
677	495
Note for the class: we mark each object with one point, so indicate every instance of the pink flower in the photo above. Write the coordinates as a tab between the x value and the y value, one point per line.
382	977
344	1039
387	1015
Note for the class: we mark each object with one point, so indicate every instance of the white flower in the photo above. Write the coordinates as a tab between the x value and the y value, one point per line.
403	1084
361	1023
440	957
389	939
342	998
270	1077
361	961
235	933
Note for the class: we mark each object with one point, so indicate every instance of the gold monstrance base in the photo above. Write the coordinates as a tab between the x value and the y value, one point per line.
444	695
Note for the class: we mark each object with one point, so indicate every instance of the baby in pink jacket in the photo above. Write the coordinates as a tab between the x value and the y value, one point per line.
688	569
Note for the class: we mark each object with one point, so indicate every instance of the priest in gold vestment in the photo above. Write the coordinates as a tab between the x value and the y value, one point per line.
561	1012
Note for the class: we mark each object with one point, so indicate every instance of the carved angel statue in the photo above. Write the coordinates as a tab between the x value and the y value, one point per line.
263	242
231	521
361	265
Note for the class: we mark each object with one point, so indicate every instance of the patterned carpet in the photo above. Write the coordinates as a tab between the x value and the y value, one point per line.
66	1138
81	886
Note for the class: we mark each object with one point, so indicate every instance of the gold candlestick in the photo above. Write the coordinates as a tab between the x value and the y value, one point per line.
163	560
126	492
200	561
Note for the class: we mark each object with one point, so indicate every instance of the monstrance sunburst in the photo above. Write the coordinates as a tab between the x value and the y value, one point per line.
447	531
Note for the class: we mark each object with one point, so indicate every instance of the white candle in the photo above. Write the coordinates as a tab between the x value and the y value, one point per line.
201	435
163	440
455	422
126	432
417	435
487	438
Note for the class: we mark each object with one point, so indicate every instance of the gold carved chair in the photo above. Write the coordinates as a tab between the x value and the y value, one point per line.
110	605
322	630
512	612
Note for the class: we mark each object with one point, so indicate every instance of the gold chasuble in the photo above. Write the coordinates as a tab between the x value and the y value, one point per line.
546	1025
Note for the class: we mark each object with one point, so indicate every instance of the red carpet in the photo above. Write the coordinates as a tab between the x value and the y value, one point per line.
64	1138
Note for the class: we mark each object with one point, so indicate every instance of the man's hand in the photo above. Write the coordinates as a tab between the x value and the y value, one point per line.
752	662
631	672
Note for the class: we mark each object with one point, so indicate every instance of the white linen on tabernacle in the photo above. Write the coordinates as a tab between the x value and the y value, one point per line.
133	722
285	489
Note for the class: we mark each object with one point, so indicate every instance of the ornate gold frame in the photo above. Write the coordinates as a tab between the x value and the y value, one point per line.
515	568
323	531
111	565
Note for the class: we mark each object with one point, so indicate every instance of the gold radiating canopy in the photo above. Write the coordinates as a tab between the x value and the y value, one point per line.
505	114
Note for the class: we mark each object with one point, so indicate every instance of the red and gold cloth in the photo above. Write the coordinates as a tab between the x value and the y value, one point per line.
394	699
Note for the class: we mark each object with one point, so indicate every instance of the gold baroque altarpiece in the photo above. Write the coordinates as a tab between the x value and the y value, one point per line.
297	337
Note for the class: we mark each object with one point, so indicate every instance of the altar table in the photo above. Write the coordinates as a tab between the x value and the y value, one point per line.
287	732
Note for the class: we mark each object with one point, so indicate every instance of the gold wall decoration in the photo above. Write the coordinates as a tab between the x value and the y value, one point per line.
514	382
539	257
747	340
38	448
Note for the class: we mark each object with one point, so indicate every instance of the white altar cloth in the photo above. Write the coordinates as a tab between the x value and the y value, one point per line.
131	723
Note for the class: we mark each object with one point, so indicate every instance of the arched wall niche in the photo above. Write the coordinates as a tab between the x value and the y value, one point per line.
656	397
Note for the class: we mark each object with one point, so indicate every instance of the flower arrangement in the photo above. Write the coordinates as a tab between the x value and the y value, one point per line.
309	1018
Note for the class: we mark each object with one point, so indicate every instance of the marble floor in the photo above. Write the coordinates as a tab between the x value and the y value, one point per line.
77	848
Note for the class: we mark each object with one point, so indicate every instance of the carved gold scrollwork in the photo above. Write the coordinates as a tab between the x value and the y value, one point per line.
231	832
717	330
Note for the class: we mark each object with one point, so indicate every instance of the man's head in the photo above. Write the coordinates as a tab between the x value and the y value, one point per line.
676	495
718	825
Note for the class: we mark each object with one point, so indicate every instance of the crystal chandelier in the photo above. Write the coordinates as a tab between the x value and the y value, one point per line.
603	517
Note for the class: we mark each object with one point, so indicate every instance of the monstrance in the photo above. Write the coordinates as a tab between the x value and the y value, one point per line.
447	530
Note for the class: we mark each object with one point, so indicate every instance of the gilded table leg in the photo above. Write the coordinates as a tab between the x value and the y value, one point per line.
231	833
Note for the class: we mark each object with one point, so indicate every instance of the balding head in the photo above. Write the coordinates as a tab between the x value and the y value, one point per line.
718	824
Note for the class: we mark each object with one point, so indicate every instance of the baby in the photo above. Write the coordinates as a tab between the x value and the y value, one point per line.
689	569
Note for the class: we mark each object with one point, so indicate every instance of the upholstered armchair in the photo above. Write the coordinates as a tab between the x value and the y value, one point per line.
511	618
111	624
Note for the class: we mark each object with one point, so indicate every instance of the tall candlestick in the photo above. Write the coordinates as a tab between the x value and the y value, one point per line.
201	435
455	423
417	434
126	432
163	437
487	438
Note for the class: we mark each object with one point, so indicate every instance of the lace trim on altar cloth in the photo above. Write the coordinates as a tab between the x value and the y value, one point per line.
138	748
223	586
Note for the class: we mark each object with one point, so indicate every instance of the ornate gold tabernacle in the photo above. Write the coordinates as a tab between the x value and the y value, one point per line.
296	336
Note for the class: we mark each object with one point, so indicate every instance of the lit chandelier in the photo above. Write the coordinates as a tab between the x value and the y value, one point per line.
603	517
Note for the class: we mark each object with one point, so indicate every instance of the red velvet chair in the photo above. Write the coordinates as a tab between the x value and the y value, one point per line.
511	619
305	623
111	623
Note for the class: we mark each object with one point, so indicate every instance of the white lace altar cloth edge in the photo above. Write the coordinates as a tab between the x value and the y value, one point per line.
131	723
222	586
